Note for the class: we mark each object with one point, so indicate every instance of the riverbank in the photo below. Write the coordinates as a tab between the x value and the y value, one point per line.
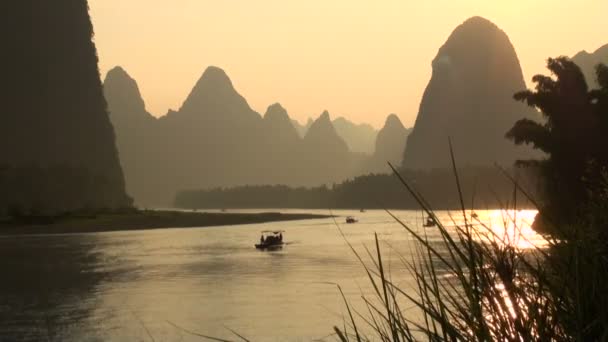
142	220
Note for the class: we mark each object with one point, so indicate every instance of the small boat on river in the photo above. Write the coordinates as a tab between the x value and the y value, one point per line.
351	219
430	222
271	239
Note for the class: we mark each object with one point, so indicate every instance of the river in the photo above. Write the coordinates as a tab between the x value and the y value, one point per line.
140	285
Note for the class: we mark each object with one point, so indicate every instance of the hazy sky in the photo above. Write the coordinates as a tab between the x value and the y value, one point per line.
361	59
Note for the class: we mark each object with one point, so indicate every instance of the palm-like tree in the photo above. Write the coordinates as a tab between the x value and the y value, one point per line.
574	134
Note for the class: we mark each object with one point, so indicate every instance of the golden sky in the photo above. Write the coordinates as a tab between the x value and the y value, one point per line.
361	59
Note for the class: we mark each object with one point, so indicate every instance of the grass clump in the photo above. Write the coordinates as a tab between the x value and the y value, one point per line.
479	285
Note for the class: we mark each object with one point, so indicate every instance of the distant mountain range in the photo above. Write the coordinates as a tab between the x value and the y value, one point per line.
359	137
215	139
60	152
302	128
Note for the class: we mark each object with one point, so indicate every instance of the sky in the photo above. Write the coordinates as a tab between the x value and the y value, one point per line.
360	59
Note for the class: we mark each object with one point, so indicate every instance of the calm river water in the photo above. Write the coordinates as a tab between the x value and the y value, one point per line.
130	286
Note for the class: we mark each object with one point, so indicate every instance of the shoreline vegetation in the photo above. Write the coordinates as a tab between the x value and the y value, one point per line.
138	220
482	187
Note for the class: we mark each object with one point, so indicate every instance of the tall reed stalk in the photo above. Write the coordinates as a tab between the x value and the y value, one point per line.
478	285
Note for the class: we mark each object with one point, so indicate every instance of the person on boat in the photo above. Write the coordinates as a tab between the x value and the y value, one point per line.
280	237
262	239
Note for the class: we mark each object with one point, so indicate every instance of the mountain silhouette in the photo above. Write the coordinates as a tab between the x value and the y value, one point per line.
54	117
302	128
470	99
214	97
137	135
323	134
216	140
326	154
358	137
388	147
281	149
588	61
390	142
277	121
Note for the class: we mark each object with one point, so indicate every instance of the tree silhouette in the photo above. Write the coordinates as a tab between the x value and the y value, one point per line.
573	135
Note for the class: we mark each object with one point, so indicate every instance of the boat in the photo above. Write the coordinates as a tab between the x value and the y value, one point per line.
474	215
351	219
430	222
362	210
271	239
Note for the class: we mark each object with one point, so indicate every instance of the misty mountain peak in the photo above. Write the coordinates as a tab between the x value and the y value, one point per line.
324	117
322	124
474	43
215	81
276	112
214	96
359	137
477	22
118	72
588	61
122	92
470	99
216	76
601	51
393	121
390	143
279	128
323	133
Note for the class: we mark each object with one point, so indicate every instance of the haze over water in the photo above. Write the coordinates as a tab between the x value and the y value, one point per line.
114	286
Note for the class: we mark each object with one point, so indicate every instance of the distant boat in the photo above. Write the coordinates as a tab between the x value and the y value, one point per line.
430	222
362	210
271	239
474	215
351	219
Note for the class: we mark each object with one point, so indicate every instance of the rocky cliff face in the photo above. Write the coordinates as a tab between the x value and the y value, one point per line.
53	108
137	134
588	61
469	99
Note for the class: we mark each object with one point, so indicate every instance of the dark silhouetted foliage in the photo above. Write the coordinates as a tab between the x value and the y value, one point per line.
484	187
574	136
